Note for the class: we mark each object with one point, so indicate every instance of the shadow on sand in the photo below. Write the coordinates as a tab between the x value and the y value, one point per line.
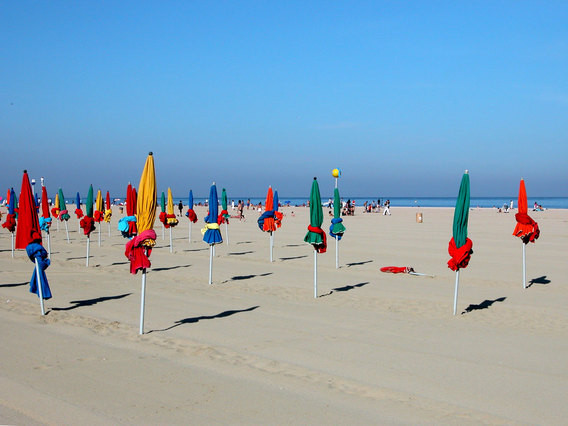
294	257
358	263
540	280
483	305
13	285
90	302
246	277
205	317
169	268
345	288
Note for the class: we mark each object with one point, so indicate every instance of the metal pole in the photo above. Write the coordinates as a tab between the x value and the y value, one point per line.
88	247
99	233
336	253
315	274
210	264
39	289
12	245
67	232
456	291
524	266
227	232
48	244
190	232
171	246
271	244
142	301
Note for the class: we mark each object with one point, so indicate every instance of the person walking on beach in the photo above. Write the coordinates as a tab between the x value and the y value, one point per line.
180	207
387	208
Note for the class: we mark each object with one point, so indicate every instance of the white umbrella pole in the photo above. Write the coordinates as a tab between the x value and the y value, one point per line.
12	245
315	274
57	222
227	233
99	234
171	245
190	232
142	301
108	229
210	264
524	266
337	253
271	245
39	289
48	244
456	291
163	232
67	232
88	248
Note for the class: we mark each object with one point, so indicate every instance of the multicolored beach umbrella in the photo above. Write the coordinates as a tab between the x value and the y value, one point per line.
78	211
278	216
139	248
266	221
55	209
211	233
460	246
28	236
526	228
316	236
63	213
224	215
190	214
45	218
10	223
127	224
171	219
108	209
99	208
336	229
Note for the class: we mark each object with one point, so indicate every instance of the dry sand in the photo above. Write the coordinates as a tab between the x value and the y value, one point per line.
257	348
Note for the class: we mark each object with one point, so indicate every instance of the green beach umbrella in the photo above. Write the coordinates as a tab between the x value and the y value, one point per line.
87	222
163	214
63	213
460	246
89	203
315	235
225	214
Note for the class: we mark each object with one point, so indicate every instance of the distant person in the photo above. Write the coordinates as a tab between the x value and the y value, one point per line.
387	208
511	205
180	207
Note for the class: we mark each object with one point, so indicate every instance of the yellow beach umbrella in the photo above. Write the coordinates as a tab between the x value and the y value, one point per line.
171	216
147	201
99	212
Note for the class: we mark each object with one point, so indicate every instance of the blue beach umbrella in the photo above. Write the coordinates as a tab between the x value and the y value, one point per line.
211	233
190	213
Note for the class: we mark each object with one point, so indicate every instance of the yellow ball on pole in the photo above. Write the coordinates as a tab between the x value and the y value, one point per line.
336	173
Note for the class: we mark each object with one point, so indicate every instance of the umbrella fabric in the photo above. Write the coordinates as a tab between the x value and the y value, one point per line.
35	252
163	215
139	248
87	222
278	216
526	229
28	230
224	215
460	247
78	211
316	236
45	219
63	213
211	233
10	223
336	229
397	269
108	210
99	208
55	209
266	219
127	224
190	212
171	219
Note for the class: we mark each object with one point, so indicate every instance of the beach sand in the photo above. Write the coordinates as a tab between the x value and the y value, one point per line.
256	347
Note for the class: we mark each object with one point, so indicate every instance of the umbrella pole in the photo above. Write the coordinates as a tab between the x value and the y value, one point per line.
210	264
99	234
189	237
108	229
12	245
315	274
171	246
227	232
271	244
456	291
524	266
88	248
336	253
48	244
67	232
142	301
163	232
39	289
57	223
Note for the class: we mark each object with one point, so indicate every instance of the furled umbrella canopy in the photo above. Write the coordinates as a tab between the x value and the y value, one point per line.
211	233
526	228
190	212
78	211
108	209
127	224
337	228
171	216
278	216
315	235
87	222
266	221
56	209
10	223
224	215
460	246
99	209
63	213
28	230
45	218
163	214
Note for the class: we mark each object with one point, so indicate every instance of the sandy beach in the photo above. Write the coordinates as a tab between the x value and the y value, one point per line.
256	347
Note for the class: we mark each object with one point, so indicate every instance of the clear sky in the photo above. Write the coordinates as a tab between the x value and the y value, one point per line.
402	96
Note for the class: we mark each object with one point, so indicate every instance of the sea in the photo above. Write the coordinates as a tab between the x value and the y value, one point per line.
483	202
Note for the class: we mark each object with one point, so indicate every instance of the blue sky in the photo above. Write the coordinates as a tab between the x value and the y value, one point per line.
402	96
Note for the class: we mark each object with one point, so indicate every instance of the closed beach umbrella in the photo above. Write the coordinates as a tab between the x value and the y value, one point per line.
78	211
190	213
224	215
336	229
127	224
139	248
63	213
315	235
526	228
163	214
45	218
278	216
10	223
211	233
266	221
460	246
55	209
108	209
99	207
171	219
87	222
28	236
